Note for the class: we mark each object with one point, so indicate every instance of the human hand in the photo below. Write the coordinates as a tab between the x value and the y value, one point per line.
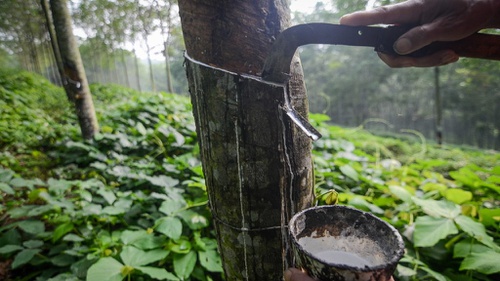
293	274
443	20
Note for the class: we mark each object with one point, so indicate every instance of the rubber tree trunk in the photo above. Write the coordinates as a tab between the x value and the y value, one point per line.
53	38
257	164
75	80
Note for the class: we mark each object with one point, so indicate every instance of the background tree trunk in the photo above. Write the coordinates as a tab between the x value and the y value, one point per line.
74	74
53	40
257	164
439	107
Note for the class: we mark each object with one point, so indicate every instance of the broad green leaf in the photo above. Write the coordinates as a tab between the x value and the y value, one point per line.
10	237
32	226
73	238
349	172
10	248
210	260
492	186
486	262
58	187
168	131
458	196
150	242
20	212
170	226
434	274
6	188
181	246
184	264
142	239
157	273
63	260
31	244
210	243
80	268
87	196
6	175
467	247
359	202
129	237
430	186
134	257
494	179
121	171
405	271
40	210
169	207
24	257
64	277
108	195
35	194
123	203
113	211
496	170
61	230
466	177
193	219
141	129
400	193
441	208
476	230
429	230
163	181
30	184
106	269
92	209
489	217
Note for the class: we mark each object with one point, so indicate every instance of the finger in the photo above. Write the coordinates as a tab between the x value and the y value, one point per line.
401	13
293	274
436	59
419	37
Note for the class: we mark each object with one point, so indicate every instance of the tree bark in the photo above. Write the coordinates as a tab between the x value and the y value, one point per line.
53	40
77	87
257	164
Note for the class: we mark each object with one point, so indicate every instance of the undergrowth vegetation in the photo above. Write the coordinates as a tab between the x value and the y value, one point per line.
132	204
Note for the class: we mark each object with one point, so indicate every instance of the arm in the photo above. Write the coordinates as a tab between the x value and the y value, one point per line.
434	20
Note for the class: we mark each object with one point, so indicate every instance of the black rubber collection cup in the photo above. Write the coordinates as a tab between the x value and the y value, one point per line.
339	243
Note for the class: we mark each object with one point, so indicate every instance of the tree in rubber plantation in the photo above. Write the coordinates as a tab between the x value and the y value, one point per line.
257	165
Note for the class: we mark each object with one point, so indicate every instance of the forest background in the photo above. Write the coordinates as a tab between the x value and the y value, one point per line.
139	44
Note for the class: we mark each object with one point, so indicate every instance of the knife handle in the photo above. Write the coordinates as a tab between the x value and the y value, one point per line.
477	45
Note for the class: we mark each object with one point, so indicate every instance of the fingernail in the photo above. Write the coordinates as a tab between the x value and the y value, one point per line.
288	274
402	46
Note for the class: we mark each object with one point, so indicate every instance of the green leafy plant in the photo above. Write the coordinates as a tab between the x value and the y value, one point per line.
449	219
132	203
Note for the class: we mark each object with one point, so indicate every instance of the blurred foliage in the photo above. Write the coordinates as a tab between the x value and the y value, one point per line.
129	204
132	202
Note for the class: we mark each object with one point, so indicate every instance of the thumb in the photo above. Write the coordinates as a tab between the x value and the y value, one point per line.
416	38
